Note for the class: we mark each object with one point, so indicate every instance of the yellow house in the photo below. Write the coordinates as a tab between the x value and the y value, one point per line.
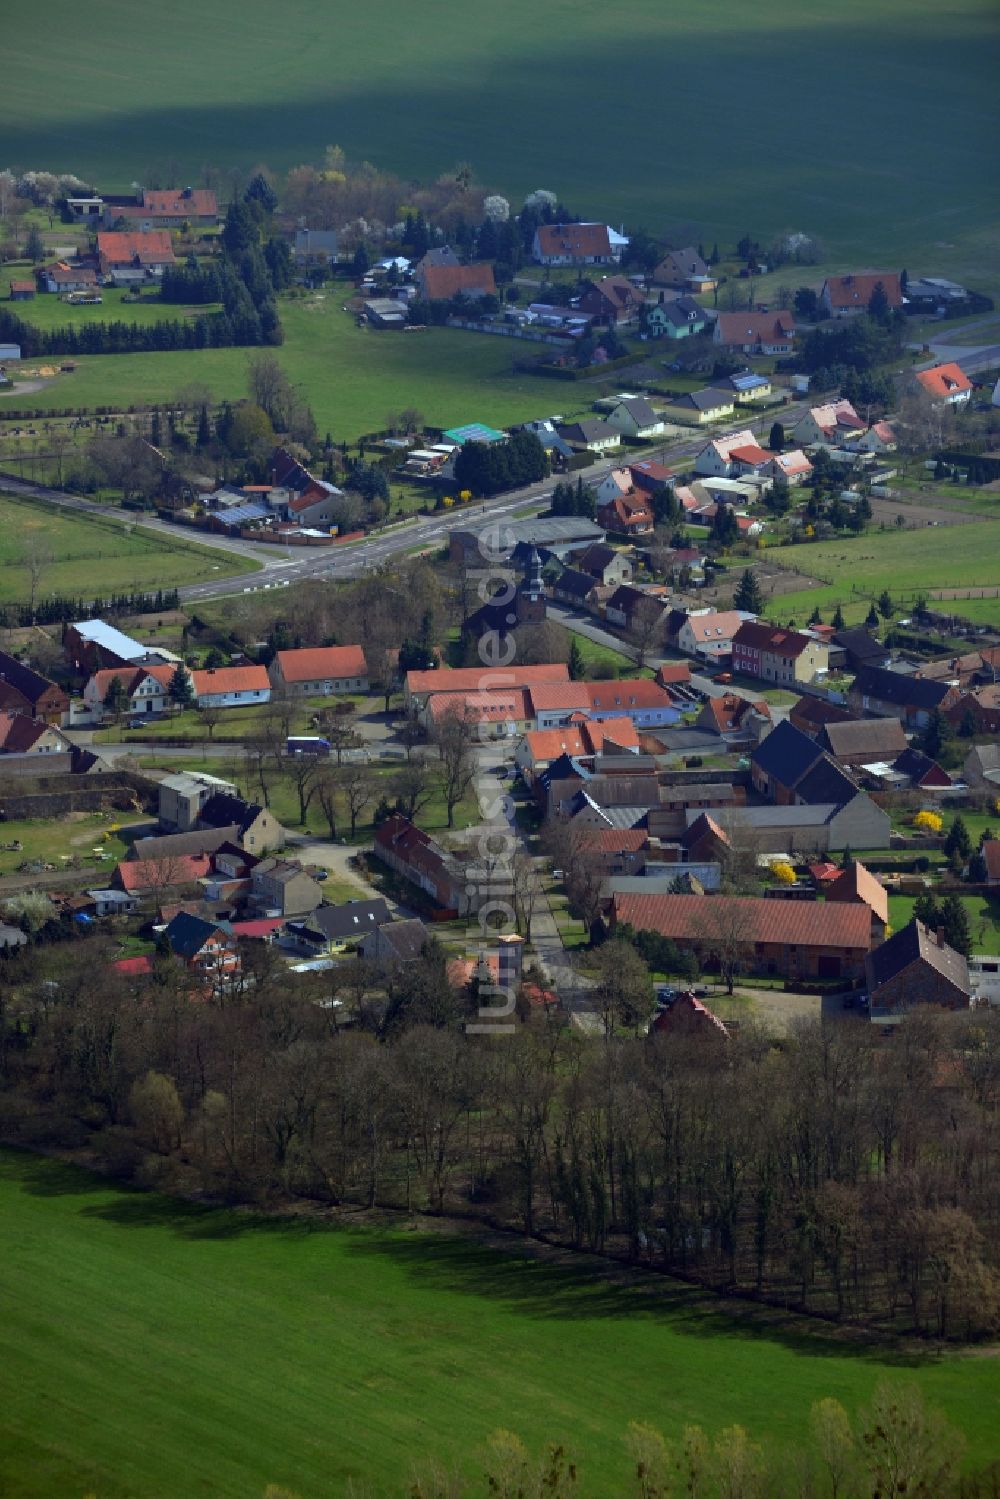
696	408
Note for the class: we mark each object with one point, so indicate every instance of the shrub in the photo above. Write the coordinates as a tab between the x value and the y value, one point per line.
783	873
928	822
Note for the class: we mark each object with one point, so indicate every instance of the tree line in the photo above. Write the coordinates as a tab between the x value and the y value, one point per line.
832	1172
59	608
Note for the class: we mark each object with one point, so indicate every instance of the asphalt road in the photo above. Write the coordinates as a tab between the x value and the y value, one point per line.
280	567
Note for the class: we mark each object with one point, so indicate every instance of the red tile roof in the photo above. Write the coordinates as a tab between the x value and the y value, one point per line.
789	644
154	874
258	929
751	454
19	731
322	663
755	327
172	203
584	737
154	247
617	840
944	380
788	923
581	241
444	281
649	475
859	884
991	853
856	291
134	967
632	692
130	677
500	706
483	679
673	674
230	679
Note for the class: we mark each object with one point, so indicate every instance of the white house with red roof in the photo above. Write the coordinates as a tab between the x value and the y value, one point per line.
319	671
793	466
710	633
146	689
880	437
134	256
576	244
946	384
715	458
231	686
831	423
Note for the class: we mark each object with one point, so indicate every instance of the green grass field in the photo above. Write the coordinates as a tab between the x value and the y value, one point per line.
158	1349
848	119
352	377
983	914
90	554
48	311
854	571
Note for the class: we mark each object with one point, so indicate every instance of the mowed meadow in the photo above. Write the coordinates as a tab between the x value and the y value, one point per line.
157	1349
352	377
82	555
852	572
871	123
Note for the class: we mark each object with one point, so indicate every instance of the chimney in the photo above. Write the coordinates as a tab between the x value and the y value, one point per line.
939	934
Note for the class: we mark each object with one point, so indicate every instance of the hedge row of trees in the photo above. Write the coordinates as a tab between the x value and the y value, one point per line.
833	1172
57	608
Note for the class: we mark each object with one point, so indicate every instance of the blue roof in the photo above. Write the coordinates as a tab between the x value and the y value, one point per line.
748	382
474	432
240	514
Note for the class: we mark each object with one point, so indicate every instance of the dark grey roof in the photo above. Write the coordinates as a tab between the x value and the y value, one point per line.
902	692
683	311
565	768
188	934
222	810
914	763
786	754
621	817
640	411
594	559
540	531
861	645
401	941
353	919
912	944
591	429
826	781
574	583
705	400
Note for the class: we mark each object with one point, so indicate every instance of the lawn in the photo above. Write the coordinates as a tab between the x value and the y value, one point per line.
275	85
283	799
594	654
94	554
63	840
353	377
47	311
983	913
157	1348
853	571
